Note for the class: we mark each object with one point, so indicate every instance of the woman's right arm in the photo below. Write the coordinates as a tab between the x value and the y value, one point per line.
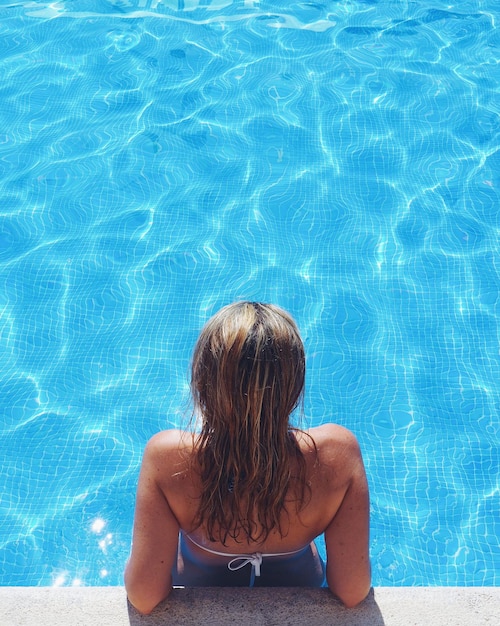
348	569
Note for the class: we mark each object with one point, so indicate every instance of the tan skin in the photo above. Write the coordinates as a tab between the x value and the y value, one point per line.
338	506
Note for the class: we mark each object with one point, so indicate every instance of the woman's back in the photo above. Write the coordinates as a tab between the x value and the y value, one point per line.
249	486
328	452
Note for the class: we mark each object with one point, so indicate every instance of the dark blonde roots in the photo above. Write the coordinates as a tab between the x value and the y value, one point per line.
248	375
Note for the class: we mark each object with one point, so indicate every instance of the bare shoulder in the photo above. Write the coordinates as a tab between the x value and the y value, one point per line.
333	436
168	440
168	450
337	447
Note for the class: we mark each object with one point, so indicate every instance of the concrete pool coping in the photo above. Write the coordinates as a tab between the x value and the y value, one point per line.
385	606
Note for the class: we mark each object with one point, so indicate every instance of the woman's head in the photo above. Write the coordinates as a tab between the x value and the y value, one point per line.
248	362
247	377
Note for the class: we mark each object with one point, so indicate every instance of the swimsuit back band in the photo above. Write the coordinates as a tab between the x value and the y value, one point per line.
240	560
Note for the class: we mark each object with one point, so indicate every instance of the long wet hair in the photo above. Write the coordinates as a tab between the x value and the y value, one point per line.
247	377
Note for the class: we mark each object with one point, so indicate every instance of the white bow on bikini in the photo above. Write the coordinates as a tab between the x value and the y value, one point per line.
244	559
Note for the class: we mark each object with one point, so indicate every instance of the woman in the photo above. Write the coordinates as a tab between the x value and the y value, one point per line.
241	502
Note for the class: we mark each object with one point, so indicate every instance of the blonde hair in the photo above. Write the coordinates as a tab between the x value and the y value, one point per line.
247	377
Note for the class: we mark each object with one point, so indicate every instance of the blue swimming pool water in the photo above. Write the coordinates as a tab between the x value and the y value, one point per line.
161	159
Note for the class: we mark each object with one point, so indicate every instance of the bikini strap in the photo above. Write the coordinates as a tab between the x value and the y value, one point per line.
240	560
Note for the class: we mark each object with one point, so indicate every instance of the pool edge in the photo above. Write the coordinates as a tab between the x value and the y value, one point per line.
385	606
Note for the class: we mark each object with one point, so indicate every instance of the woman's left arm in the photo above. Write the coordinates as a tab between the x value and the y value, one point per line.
148	574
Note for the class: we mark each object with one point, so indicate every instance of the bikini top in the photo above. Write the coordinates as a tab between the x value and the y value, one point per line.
240	560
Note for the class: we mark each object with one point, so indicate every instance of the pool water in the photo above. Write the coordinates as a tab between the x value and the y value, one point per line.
159	159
